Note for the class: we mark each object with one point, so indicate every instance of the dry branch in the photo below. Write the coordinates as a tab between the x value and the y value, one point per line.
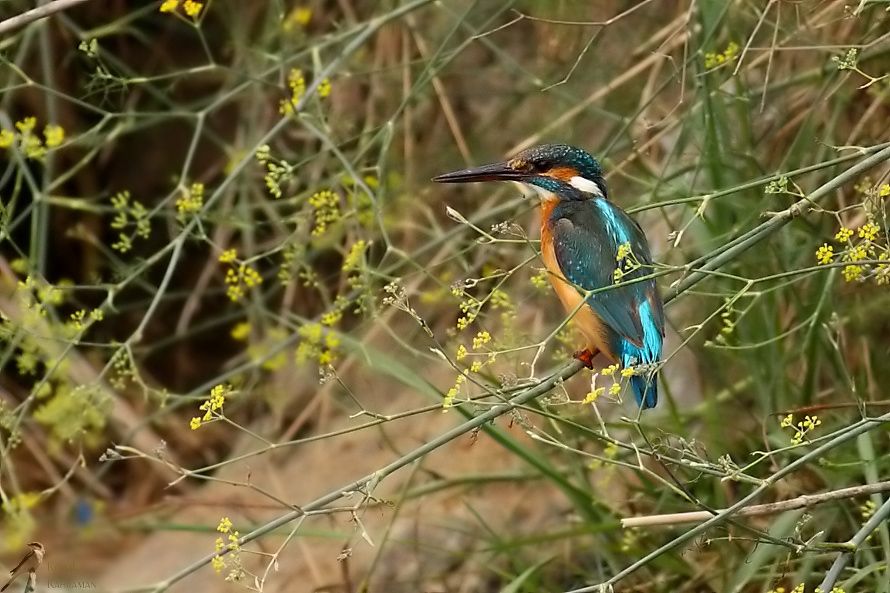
803	501
35	14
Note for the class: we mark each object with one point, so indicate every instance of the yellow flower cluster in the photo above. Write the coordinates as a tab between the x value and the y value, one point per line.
354	256
453	392
211	407
727	322
192	8
848	60
240	277
225	525
326	206
802	428
54	135
852	272
623	251
540	280
464	321
843	234
609	370
801	587
300	16
593	395
869	231
128	214
191	200
856	252
627	262
28	140
189	7
233	547
470	308
713	59
240	280
277	172
77	319
825	254
317	344
867	509
228	256
331	318
617	374
296	82
241	331
481	339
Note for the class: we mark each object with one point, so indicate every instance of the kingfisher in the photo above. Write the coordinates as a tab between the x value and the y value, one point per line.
595	254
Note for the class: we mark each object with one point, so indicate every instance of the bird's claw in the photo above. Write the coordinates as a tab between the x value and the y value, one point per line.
585	356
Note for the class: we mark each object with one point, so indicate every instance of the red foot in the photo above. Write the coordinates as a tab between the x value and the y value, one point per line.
585	356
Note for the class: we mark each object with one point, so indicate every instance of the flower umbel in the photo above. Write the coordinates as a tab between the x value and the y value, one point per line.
191	200
212	408
298	17
296	82
843	234
715	59
192	8
54	135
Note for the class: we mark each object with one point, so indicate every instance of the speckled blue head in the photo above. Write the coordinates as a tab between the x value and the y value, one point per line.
566	171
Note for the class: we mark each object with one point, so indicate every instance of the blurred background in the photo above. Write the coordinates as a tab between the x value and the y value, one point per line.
228	288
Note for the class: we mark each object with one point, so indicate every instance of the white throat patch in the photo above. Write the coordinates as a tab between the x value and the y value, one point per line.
586	185
538	191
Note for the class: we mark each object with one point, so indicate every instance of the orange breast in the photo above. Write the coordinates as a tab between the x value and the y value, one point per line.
584	318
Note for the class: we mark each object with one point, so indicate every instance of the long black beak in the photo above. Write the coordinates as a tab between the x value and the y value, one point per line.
492	172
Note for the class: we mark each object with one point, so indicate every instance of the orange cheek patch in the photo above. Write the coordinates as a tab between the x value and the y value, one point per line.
562	173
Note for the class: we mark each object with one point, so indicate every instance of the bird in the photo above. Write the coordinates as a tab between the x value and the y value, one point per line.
28	564
588	243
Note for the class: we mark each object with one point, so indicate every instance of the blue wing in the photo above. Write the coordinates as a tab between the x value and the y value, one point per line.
586	236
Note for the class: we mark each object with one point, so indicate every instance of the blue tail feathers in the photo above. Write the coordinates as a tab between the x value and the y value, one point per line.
644	384
645	388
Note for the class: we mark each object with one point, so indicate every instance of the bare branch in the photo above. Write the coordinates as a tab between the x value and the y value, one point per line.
35	14
803	501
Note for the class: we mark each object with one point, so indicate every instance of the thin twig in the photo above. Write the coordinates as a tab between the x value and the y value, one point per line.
35	14
840	563
803	501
